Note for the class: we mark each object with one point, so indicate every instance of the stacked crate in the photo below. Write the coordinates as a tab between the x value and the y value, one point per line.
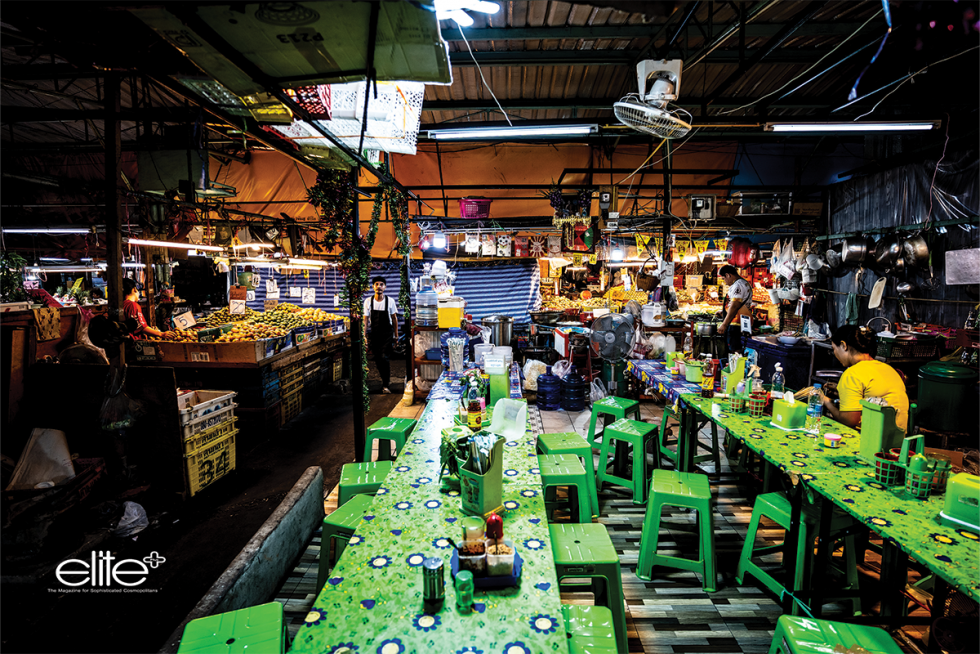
207	421
291	391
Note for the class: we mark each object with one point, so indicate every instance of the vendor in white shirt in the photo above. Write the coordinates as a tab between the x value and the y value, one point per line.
739	301
381	324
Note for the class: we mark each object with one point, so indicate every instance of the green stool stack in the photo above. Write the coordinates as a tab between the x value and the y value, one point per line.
388	429
255	629
569	442
585	551
566	470
361	479
681	489
635	433
795	635
777	507
617	407
589	629
340	526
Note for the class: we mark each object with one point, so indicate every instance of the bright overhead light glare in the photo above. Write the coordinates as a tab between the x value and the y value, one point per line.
898	126
64	269
511	132
617	253
439	240
252	246
133	265
298	266
308	262
168	244
47	230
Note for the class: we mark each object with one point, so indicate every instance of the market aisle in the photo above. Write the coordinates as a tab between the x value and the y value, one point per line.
198	538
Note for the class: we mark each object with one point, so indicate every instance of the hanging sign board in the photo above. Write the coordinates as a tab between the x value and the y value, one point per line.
309	296
746	323
271	286
185	320
250	296
236	307
270	304
295	291
237	293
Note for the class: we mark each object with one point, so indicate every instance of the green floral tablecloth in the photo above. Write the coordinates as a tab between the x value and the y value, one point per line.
372	602
838	474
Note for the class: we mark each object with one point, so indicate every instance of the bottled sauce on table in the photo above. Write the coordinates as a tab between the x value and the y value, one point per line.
708	379
814	411
474	410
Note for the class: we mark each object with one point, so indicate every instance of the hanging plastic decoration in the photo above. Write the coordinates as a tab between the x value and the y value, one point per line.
471	244
489	245
536	246
503	245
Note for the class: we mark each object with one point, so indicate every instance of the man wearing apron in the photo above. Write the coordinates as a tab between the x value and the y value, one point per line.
381	317
739	304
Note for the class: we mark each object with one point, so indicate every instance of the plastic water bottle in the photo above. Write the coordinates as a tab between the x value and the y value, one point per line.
814	411
688	346
778	382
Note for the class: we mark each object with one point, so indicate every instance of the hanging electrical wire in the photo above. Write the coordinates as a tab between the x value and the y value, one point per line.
480	70
888	21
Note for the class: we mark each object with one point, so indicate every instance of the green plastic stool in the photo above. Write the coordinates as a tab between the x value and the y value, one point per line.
566	470
777	507
618	407
589	629
255	629
663	443
585	551
797	635
388	429
682	489
340	526
569	442
635	433
361	479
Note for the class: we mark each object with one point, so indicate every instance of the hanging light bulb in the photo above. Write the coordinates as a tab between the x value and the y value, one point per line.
439	241
617	253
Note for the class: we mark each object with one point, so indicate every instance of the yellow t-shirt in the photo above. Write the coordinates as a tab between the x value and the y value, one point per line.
874	379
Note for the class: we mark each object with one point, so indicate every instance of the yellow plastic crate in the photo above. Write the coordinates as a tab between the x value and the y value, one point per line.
210	463
292	404
208	436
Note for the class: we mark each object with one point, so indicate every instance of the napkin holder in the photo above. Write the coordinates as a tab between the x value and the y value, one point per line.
788	416
731	378
480	494
879	433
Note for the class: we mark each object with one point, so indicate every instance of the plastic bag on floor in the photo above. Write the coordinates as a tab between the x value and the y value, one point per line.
133	521
532	369
597	391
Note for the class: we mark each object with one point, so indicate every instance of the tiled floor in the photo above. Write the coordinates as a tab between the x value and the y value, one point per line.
671	614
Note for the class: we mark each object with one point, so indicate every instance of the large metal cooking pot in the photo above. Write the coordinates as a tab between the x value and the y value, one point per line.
706	328
854	249
833	258
501	329
887	251
916	251
544	317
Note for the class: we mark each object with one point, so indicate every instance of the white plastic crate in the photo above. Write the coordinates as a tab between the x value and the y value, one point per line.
195	404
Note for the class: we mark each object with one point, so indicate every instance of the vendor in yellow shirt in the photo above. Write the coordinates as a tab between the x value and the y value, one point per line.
864	377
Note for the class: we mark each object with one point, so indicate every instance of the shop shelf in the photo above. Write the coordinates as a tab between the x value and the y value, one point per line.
210	463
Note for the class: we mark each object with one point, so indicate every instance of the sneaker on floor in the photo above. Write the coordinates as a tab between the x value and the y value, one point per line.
386	390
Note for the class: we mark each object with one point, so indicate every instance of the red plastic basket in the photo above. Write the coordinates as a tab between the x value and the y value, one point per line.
474	208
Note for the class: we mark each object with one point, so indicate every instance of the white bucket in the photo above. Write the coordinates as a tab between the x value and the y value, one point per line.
480	350
505	351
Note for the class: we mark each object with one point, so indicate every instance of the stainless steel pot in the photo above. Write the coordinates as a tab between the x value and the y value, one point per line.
833	258
545	317
706	329
887	251
916	251
501	329
854	250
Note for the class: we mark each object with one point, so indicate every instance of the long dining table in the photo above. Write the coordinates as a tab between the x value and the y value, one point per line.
372	601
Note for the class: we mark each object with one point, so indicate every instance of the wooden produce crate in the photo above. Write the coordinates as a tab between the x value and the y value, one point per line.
292	404
251	352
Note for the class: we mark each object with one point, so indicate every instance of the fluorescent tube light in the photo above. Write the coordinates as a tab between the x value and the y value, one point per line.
48	230
168	244
511	132
133	265
252	246
308	262
64	269
299	266
898	126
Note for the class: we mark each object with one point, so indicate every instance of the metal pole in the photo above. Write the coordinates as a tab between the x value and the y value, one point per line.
113	213
357	348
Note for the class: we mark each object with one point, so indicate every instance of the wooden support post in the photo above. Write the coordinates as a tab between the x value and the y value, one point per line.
113	204
357	347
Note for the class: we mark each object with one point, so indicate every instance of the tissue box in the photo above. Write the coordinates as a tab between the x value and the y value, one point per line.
459	431
788	416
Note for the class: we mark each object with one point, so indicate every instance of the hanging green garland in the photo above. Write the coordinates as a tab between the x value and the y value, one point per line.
333	194
398	207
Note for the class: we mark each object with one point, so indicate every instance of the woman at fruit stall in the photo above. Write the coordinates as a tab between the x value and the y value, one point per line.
864	377
133	312
381	323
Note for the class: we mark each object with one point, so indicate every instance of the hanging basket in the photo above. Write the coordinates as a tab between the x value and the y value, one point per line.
474	208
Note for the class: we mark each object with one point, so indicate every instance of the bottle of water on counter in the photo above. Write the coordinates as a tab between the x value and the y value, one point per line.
814	411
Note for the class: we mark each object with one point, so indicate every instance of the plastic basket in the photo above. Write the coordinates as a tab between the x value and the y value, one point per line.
918	485
474	208
920	348
756	405
210	463
888	472
210	435
208	421
736	404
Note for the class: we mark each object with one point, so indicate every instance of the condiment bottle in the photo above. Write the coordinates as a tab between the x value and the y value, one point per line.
433	585
474	413
464	591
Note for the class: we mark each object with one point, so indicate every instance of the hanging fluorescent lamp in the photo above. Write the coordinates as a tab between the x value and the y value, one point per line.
169	244
48	230
453	10
252	246
309	262
64	269
439	241
894	126
503	133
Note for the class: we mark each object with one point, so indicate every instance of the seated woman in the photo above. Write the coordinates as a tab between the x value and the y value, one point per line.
864	377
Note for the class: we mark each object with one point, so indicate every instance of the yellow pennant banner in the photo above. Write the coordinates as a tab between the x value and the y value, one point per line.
680	251
721	244
593	259
641	242
701	247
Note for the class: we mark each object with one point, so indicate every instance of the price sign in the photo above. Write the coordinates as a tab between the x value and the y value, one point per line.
237	293
270	304
250	296
185	320
336	300
746	323
295	291
271	286
309	296
236	307
272	295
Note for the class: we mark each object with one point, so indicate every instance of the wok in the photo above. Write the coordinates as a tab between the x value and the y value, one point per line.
887	252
